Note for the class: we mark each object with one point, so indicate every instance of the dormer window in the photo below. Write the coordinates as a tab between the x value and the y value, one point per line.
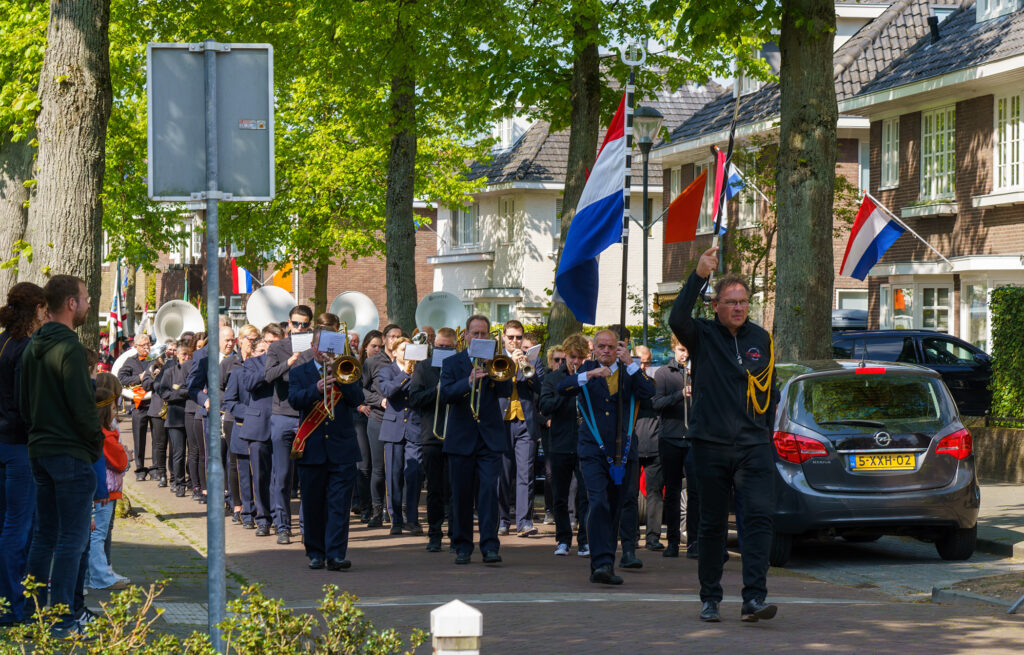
988	9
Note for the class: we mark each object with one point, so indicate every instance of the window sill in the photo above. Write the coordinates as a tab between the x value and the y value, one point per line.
931	209
460	257
999	199
889	187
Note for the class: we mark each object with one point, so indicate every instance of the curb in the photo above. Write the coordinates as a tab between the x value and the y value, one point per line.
993	545
958	597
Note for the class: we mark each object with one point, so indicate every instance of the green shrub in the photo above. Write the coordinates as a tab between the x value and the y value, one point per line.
1007	383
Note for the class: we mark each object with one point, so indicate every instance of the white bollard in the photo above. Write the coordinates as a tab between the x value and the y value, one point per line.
456	628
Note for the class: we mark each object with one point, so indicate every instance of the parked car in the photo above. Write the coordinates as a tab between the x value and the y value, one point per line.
965	369
849	319
865	449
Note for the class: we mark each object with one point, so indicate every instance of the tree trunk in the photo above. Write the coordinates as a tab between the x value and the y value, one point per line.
320	290
130	272
65	217
583	129
805	178
15	169
399	227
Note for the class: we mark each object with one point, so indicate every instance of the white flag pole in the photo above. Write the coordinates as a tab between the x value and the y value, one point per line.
888	211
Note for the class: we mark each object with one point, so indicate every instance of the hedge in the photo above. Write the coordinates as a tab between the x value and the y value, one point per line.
1007	385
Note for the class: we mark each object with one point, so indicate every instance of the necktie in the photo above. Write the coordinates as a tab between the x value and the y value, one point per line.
515	408
613	382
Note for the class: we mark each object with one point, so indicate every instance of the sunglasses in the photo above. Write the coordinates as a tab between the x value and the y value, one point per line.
558	360
301	324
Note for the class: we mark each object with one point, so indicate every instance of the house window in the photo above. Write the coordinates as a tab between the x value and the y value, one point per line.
508	217
935	310
901	312
675	183
502	312
974	298
704	224
749	207
890	153
1008	142
851	299
995	8
938	161
466	231
556	227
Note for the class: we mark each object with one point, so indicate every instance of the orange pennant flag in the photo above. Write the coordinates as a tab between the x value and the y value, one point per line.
284	278
684	212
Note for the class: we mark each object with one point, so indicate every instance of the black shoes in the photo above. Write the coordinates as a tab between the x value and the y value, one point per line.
630	561
655	545
414	529
434	546
396	529
709	612
284	537
462	558
263	531
605	575
756	609
376	521
236	518
492	557
180	492
338	564
316	563
140	476
162	482
691	552
672	550
249	524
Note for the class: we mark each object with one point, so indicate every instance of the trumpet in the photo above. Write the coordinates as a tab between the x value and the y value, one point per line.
460	345
344	368
499	368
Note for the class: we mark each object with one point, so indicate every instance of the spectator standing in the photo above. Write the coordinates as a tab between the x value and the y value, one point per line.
64	441
648	424
673	389
23	314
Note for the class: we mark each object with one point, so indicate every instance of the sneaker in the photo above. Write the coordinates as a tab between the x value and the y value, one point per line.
284	537
528	531
88	616
503	531
118	585
562	550
549	518
584	550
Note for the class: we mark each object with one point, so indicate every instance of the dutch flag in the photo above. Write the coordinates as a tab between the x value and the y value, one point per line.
241	279
597	224
872	234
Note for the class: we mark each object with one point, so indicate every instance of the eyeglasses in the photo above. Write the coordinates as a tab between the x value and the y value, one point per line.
301	324
735	303
252	339
558	360
514	337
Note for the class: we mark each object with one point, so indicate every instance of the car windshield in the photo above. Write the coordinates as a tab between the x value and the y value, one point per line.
866	403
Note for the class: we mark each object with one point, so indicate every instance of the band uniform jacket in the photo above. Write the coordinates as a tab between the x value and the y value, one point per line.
561	409
197	378
278	374
669	384
252	382
401	422
236	401
423	398
130	375
529	389
463	429
374	397
228	365
171	385
605	405
334	440
156	403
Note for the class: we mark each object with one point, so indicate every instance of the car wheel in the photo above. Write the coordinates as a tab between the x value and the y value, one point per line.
861	538
957	543
782	548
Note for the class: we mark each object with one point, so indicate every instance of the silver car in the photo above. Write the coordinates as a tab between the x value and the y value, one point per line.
865	449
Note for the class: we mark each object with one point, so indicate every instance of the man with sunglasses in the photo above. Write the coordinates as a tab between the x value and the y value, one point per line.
284	419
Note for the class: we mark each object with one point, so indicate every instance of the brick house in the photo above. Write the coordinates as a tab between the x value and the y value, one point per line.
947	157
499	255
870	36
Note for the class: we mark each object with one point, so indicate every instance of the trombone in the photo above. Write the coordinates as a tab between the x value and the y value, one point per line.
345	368
499	368
460	345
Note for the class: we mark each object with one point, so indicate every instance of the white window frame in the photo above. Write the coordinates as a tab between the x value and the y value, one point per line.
886	314
847	293
748	208
989	9
938	153
459	216
556	226
507	205
920	308
675	182
704	224
890	154
1008	160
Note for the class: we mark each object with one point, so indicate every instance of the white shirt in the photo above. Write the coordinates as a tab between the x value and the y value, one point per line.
630	370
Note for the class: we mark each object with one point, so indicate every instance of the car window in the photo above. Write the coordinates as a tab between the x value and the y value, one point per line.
891	349
842	349
943	351
906	402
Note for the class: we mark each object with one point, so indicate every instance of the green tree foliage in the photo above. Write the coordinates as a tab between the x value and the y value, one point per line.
1007	306
22	43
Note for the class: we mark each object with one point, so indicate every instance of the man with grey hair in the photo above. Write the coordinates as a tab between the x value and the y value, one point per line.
132	374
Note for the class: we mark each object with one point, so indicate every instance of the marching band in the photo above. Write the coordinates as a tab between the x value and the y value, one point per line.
459	410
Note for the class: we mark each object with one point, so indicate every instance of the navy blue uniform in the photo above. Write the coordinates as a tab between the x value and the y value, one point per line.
253	435
403	457
473	446
284	422
517	464
605	498
327	469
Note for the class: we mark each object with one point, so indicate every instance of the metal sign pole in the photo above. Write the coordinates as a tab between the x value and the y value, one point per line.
214	469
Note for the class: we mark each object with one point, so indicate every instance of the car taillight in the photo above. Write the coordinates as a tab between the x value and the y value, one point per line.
960	444
797	449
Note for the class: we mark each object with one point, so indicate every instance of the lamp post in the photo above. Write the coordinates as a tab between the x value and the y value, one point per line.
646	125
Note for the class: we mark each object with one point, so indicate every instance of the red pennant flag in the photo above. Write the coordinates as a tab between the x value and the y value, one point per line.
684	212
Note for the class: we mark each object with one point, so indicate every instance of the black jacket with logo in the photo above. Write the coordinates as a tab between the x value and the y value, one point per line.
721	411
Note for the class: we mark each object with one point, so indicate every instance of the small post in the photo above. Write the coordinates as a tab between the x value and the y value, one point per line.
456	628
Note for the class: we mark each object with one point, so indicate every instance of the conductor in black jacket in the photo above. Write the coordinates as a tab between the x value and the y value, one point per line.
730	431
132	374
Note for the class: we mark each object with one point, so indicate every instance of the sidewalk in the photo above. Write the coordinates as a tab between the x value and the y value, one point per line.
1001	520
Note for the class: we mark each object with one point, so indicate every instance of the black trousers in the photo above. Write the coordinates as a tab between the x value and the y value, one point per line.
673	470
176	441
653	483
361	497
196	439
749	470
140	423
435	466
159	467
564	468
231	463
378	478
629	522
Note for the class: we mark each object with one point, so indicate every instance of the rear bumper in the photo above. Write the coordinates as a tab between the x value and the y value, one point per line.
800	508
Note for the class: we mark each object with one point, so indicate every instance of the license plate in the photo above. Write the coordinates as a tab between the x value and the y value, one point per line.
883	462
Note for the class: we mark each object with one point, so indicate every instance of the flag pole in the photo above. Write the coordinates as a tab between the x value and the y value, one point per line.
888	211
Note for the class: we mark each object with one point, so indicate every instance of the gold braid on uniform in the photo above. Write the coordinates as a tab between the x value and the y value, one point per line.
762	382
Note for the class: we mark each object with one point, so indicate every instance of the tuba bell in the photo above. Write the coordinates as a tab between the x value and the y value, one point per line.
344	368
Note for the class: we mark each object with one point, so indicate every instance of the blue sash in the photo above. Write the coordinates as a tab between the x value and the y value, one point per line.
618	472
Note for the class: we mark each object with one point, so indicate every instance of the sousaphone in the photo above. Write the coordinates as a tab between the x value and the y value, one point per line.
174	318
357	311
441	309
268	304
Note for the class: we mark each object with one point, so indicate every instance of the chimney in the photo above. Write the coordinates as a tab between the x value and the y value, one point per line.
933	23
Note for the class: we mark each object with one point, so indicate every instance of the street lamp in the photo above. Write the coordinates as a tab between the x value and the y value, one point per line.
646	125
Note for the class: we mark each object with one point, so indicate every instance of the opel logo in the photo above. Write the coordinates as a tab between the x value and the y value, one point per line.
883	439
